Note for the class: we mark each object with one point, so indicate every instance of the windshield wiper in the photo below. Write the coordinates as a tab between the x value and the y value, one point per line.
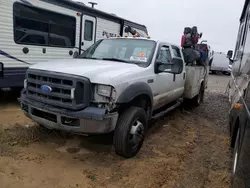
116	59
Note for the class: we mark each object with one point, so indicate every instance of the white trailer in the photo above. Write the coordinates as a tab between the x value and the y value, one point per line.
41	30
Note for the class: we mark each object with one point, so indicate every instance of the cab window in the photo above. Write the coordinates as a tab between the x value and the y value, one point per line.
164	55
176	51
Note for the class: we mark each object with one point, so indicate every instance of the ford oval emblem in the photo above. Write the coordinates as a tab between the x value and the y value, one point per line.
46	89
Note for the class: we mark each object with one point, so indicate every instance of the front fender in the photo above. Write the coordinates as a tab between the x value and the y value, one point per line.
134	90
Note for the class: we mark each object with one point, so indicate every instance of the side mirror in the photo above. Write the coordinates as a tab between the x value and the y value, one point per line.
174	67
230	54
163	67
1	70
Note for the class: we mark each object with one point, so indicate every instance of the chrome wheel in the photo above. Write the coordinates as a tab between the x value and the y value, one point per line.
136	136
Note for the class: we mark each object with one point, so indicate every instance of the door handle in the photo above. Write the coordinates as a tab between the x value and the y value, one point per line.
184	76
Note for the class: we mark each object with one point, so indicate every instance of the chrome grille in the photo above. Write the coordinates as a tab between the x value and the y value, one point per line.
68	92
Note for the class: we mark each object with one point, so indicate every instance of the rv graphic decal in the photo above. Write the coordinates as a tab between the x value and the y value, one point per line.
104	33
12	57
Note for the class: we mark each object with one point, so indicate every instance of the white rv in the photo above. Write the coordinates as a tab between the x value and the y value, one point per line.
39	30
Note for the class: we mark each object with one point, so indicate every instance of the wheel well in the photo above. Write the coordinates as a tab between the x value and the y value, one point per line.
202	84
142	101
234	132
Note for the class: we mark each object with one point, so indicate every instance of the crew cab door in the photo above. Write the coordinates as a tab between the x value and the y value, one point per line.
88	32
179	79
164	81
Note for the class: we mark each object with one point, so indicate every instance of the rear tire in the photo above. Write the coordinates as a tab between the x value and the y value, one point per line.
3	95
130	132
237	171
198	99
236	152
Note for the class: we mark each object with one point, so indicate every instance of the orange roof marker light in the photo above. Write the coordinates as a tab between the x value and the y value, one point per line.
107	36
118	36
126	36
148	37
134	36
238	106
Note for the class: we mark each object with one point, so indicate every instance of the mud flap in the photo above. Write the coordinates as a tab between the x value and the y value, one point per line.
1	70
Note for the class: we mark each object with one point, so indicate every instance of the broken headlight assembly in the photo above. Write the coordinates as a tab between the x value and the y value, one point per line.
104	91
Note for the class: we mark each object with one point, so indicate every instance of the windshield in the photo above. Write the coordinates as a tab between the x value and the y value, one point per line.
137	51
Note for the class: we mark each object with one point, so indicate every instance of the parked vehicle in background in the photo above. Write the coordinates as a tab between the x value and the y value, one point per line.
41	30
117	85
220	64
239	94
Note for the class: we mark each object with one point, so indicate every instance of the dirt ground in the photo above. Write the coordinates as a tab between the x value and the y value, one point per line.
186	149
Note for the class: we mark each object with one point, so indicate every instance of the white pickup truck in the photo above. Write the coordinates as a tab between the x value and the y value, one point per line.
118	85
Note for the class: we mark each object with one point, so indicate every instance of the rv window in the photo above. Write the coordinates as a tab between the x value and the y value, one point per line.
88	30
61	36
238	42
33	39
245	30
37	26
57	41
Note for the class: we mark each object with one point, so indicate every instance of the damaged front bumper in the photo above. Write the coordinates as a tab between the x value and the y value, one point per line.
91	120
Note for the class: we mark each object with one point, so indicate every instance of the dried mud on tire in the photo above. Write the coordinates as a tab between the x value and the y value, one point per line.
186	149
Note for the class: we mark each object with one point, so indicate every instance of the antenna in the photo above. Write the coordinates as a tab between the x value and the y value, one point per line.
93	4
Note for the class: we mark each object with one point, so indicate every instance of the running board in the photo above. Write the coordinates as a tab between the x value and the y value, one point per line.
162	113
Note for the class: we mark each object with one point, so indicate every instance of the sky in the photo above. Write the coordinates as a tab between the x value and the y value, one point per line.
218	20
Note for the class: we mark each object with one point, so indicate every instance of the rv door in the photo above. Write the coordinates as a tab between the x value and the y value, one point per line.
88	32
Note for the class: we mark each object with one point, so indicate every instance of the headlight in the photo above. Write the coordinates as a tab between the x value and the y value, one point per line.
104	90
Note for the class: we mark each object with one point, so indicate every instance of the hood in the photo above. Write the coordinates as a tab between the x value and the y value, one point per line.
98	71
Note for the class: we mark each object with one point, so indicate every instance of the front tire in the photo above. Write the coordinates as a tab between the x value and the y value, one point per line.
130	132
